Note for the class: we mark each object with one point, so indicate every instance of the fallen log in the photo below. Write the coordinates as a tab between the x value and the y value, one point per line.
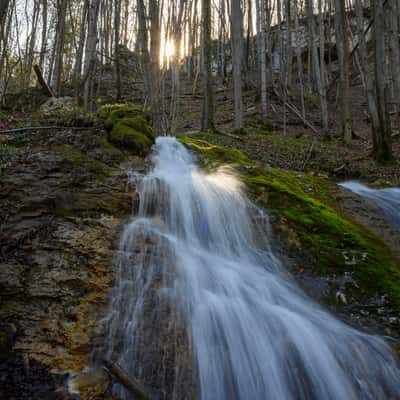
130	384
296	112
42	82
231	135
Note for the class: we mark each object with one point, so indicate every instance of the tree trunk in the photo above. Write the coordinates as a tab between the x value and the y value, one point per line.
382	142
394	11
342	44
367	75
90	52
3	14
32	39
43	47
319	80
155	101
260	9
117	28
298	57
79	52
59	47
207	120
143	44
237	59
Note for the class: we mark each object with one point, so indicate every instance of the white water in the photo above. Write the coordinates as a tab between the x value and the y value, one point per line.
387	199
254	335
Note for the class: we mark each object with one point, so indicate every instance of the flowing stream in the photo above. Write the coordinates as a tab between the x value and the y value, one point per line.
387	199
198	243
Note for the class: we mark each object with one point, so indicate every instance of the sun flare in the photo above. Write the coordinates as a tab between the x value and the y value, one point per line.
169	49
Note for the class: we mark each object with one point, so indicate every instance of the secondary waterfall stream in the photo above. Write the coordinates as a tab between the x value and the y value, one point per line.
200	247
387	199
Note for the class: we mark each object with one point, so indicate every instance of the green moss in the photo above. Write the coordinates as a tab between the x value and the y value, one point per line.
111	113
139	124
81	161
129	128
128	138
216	153
336	243
303	205
104	111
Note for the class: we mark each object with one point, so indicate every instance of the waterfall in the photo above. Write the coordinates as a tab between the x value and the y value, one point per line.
387	199
195	265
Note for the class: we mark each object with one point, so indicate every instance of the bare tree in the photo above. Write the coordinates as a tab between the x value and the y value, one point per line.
342	44
382	138
237	59
59	46
79	51
260	9
43	47
394	32
155	99
316	68
117	28
90	52
207	120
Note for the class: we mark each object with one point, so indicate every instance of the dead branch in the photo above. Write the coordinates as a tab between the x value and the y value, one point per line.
308	155
231	135
42	82
295	111
133	386
34	128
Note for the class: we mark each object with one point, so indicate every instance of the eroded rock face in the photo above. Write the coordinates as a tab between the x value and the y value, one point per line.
62	203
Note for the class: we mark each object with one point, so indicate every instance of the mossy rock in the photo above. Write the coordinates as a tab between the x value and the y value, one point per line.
130	139
139	124
128	128
110	113
215	153
303	204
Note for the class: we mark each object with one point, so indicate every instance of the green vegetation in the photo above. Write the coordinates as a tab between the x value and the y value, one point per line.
128	128
216	153
304	209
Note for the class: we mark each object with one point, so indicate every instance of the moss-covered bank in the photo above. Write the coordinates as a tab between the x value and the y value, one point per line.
304	206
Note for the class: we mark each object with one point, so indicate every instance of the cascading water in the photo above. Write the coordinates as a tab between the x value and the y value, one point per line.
387	199
198	253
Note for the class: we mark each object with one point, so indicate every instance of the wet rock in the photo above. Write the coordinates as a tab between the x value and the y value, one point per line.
7	339
61	209
90	384
21	382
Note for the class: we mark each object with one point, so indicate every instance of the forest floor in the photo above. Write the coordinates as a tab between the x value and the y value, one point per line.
296	146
